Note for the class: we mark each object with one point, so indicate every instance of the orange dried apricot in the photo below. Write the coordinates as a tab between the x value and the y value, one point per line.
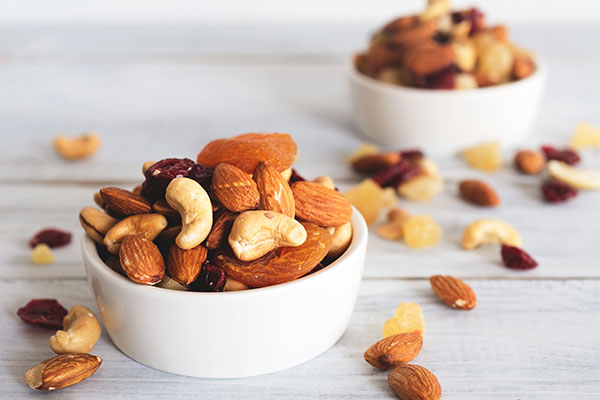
281	265
247	150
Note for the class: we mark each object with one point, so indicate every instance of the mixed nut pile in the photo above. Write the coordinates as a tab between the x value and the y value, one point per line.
444	49
238	218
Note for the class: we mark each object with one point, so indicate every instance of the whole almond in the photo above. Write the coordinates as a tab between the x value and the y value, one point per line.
275	193
141	260
530	162
220	230
413	382
428	57
62	371
478	192
320	205
185	265
373	162
394	350
454	292
124	202
234	188
95	222
162	207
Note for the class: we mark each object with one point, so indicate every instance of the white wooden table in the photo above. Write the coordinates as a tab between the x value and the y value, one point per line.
166	91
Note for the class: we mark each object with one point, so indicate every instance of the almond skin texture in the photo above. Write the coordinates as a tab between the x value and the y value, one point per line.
275	193
413	382
185	265
220	230
162	207
234	188
453	292
530	162
394	350
124	202
320	205
62	371
373	162
479	193
141	260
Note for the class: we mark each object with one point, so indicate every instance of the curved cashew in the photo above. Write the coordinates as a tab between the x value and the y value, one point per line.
96	223
146	225
169	283
578	178
340	240
191	201
394	228
78	147
81	333
255	233
486	231
325	181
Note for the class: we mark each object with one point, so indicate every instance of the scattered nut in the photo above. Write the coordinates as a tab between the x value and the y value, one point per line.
62	371
191	201
393	229
80	334
421	188
145	225
41	254
78	147
394	350
530	162
478	192
363	149
255	233
454	292
577	178
96	223
370	163
486	231
414	382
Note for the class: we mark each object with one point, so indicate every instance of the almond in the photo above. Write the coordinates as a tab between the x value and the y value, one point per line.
373	162
124	202
478	192
62	371
414	382
275	192
320	205
394	350
530	162
185	265
413	34
453	292
220	230
428	58
141	260
234	188
162	207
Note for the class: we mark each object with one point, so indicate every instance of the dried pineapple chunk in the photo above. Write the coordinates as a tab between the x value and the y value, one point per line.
585	135
486	156
407	318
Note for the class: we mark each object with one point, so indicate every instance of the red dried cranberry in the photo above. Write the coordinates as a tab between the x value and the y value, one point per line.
477	20
516	258
160	174
412	155
396	174
296	177
556	191
47	313
565	155
210	279
444	79
52	237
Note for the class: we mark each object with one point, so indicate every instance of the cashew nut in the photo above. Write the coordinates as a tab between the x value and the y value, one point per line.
393	229
435	9
325	181
81	333
486	231
146	225
147	165
286	174
231	285
578	178
421	188
340	240
255	233
191	201
169	283
78	147
96	223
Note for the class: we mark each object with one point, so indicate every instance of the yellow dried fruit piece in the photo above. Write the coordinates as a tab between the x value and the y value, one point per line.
421	231
364	149
486	156
585	135
42	254
389	197
407	318
421	187
578	178
368	198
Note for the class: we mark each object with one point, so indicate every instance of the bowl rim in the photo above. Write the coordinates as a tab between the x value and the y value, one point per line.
365	80
90	252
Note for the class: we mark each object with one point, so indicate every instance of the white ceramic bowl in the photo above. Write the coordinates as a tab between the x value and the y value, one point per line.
229	334
445	121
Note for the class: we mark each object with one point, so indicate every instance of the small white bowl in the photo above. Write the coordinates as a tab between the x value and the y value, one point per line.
443	122
229	334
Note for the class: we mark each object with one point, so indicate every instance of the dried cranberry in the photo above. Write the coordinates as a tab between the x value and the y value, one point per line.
565	155
444	79
159	175
296	177
210	279
52	237
412	155
516	258
396	174
556	191
47	313
477	20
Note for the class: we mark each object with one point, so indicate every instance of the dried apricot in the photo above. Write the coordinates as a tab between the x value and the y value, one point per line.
281	265
407	318
247	150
